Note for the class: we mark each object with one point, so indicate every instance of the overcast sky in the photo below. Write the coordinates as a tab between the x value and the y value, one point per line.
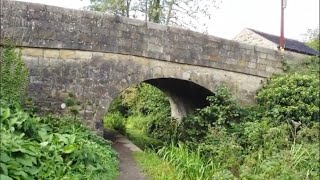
235	15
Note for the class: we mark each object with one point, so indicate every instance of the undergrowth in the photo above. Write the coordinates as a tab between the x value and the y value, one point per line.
44	147
51	148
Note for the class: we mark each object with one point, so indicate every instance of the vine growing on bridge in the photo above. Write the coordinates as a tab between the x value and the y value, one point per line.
13	74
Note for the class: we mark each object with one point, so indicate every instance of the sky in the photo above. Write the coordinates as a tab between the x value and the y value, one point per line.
235	15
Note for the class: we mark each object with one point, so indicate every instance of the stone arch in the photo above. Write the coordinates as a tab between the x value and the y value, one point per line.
108	74
186	89
184	96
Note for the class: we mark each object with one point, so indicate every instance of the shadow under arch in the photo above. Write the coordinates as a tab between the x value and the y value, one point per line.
184	96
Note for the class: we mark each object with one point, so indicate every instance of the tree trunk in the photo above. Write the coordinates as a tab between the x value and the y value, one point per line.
169	12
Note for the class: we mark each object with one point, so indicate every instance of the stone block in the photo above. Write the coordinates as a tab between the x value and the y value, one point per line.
35	52
51	53
44	62
110	56
97	54
67	54
261	67
155	48
262	55
252	65
84	54
30	61
271	57
157	26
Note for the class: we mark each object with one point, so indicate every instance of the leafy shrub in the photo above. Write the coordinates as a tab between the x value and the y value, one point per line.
14	75
309	134
291	97
223	110
162	127
145	99
222	149
138	122
46	147
115	121
51	148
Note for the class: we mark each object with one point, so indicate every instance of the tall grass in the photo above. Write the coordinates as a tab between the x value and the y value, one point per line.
189	164
154	167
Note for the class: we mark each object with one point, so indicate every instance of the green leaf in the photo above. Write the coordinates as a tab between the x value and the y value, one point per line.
43	134
43	144
4	168
69	149
13	121
23	174
26	160
72	139
32	170
4	177
4	157
5	114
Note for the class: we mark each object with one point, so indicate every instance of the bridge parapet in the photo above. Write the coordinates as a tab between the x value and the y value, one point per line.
42	26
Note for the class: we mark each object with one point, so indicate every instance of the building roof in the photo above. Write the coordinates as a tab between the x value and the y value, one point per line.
290	44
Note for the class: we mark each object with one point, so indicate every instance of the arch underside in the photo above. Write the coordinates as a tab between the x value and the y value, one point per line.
184	96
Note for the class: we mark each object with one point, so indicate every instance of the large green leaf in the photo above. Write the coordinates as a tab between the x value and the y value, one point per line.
4	157
43	134
25	160
6	113
4	168
4	177
69	149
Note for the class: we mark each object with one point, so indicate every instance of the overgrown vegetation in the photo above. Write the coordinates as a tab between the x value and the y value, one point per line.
14	75
276	139
47	147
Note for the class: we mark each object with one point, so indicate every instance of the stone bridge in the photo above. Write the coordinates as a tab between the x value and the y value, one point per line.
96	56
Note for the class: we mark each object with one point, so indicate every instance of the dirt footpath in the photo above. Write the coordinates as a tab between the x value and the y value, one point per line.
129	169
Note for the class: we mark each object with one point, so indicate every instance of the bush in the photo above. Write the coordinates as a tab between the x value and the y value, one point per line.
162	127
51	148
116	122
223	108
138	122
291	97
222	111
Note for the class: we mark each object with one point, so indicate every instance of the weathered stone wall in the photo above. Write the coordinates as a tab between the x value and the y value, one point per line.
96	78
36	25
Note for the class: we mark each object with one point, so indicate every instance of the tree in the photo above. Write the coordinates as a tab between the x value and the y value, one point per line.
312	38
191	14
116	7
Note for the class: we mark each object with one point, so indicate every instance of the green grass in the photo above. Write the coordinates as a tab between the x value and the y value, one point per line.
189	164
154	167
140	139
